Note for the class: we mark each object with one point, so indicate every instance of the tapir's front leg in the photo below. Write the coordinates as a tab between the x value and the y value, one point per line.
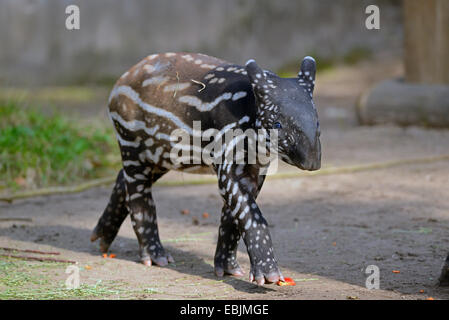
239	187
225	260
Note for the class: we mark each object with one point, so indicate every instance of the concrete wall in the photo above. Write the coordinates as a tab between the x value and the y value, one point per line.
36	48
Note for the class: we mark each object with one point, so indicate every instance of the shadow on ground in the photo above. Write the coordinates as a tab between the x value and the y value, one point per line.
332	233
70	238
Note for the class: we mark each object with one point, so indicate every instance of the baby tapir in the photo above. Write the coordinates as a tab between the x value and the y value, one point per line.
170	91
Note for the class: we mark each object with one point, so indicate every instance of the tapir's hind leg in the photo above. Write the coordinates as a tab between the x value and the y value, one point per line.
444	278
113	216
118	209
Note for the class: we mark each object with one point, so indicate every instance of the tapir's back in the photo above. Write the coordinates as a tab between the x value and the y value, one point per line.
173	89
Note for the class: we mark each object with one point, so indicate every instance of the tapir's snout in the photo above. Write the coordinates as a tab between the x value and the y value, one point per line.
309	157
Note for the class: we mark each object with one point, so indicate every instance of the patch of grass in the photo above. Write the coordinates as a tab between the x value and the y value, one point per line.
53	95
25	280
151	291
97	290
16	273
38	149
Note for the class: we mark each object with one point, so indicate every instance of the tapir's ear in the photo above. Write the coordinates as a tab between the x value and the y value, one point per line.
306	75
255	74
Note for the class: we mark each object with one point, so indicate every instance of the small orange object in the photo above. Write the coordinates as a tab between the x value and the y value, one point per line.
185	212
205	215
87	267
421	291
430	298
334	244
287	282
396	271
105	255
112	255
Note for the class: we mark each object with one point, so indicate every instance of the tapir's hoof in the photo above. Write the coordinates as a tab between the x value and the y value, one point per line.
236	272
261	278
170	258
147	262
104	246
160	261
95	235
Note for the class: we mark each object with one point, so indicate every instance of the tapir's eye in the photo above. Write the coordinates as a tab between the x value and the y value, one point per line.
277	125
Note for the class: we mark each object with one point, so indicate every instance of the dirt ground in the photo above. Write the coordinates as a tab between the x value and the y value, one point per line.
326	229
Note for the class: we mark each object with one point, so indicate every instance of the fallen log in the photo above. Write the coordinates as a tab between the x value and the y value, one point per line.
405	104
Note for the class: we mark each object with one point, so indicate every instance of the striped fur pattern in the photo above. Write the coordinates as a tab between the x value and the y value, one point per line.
169	91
